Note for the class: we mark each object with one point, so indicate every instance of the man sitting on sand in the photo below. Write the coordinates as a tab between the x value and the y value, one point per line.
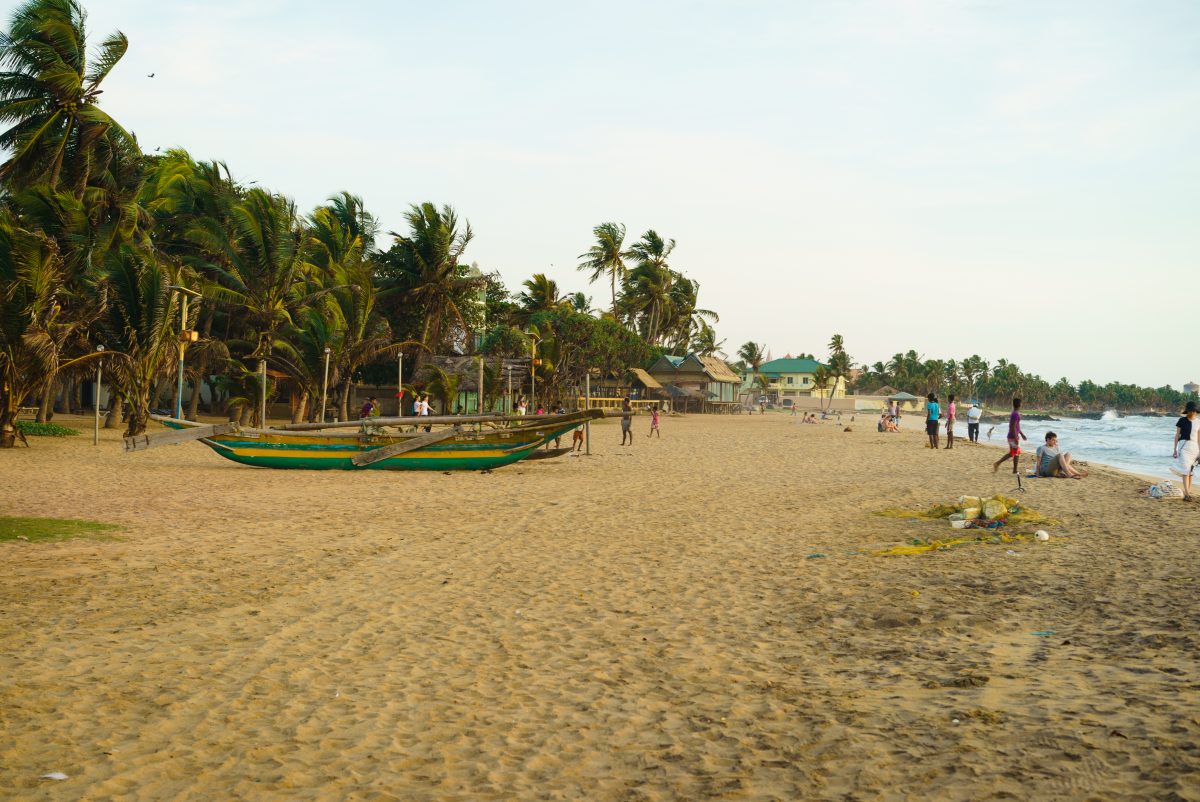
1052	463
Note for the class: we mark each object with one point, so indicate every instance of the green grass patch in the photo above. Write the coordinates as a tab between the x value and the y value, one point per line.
37	530
31	428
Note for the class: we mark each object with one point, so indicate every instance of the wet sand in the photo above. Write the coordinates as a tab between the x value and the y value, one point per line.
699	617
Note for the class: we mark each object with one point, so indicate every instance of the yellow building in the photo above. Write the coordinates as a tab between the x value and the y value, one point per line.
796	378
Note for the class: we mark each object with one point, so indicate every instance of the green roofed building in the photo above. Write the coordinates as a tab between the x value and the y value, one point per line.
794	378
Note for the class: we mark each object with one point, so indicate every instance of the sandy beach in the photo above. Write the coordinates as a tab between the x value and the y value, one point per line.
700	617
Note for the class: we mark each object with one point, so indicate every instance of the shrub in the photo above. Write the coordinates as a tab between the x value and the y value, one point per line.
34	429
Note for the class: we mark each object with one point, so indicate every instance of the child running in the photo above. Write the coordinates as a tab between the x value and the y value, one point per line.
1015	436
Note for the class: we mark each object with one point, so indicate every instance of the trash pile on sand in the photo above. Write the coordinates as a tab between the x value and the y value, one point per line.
972	512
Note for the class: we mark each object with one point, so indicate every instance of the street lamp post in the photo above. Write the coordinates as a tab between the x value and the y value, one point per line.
325	383
400	385
508	370
534	339
96	400
186	337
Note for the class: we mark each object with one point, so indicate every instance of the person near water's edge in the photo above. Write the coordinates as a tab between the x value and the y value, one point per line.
973	416
1187	447
950	410
1015	436
1052	463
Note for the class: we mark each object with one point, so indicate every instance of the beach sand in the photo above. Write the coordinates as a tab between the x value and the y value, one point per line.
699	617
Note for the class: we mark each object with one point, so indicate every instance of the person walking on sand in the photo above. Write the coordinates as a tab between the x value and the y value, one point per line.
654	422
626	420
973	416
1187	447
932	413
1015	436
950	409
425	410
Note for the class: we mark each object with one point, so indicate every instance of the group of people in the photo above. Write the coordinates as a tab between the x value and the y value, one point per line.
934	416
627	421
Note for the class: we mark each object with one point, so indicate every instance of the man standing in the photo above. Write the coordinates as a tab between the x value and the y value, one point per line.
973	416
950	409
626	420
1015	436
933	412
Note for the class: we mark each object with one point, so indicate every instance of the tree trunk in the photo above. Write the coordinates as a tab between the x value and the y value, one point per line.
8	428
46	408
116	410
76	397
344	406
194	401
139	415
62	401
299	406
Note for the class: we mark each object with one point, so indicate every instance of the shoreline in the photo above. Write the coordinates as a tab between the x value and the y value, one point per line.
699	615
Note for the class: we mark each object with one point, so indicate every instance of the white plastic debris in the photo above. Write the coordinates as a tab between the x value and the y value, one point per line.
53	775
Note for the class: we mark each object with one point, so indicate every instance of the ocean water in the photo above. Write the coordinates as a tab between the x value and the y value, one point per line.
1133	443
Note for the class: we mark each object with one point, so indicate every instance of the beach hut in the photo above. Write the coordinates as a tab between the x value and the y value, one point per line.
904	400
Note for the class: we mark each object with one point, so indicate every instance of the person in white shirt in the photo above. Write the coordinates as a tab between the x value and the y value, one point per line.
973	416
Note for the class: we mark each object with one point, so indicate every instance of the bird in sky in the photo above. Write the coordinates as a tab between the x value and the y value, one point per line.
151	75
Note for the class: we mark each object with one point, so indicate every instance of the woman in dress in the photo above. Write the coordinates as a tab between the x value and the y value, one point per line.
1187	447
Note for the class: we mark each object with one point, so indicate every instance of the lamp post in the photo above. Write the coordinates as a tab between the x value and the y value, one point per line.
186	337
534	339
96	400
325	383
508	370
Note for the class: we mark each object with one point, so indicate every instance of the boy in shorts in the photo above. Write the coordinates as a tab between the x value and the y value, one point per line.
1015	436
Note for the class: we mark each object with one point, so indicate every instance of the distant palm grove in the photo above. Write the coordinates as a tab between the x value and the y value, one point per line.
102	244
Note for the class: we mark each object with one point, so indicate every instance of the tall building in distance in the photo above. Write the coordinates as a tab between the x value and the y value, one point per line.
1191	388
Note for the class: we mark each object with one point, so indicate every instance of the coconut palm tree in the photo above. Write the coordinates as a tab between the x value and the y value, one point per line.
49	93
140	327
753	355
606	257
443	386
650	281
30	274
581	303
705	342
429	260
540	294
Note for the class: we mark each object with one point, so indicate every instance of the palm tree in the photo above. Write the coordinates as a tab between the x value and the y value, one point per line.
684	317
753	355
429	256
540	294
443	386
705	342
30	272
650	281
140	325
263	271
581	303
606	256
49	93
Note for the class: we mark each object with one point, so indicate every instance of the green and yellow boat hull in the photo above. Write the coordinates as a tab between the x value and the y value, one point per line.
469	450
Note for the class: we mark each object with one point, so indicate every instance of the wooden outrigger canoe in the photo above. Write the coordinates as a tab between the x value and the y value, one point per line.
465	446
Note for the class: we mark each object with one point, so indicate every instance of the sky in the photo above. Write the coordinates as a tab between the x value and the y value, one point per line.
1017	180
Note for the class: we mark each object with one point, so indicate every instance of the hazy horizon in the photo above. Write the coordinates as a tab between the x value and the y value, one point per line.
1013	180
